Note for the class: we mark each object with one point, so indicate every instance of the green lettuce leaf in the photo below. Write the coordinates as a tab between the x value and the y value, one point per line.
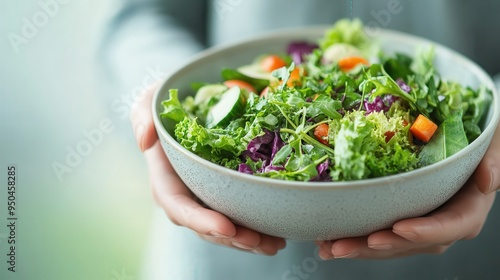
217	145
362	150
345	31
172	107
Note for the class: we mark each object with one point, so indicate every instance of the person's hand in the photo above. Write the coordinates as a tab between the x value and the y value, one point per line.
180	205
462	217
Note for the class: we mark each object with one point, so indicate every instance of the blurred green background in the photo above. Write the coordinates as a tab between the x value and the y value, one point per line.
92	221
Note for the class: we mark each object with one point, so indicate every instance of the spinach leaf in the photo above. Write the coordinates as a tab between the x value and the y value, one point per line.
448	140
398	67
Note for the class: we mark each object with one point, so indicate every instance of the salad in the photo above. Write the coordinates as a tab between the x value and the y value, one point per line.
334	110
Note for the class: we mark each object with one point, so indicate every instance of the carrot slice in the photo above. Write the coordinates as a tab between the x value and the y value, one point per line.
423	128
271	63
294	77
321	133
241	84
348	63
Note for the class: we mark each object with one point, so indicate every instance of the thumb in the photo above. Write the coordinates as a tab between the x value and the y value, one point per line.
487	174
141	118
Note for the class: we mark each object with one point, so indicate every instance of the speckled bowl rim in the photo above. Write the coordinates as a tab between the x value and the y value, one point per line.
475	69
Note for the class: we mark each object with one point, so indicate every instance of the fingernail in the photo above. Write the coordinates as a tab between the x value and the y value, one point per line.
217	234
242	246
386	246
406	234
493	185
347	256
258	251
325	255
139	136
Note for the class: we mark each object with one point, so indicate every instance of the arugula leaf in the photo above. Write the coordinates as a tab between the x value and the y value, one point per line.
324	105
283	74
478	101
423	63
378	82
449	139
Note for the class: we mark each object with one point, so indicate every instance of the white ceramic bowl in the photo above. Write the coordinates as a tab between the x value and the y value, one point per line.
320	211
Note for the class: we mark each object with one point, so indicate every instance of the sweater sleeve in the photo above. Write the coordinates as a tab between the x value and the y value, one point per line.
149	38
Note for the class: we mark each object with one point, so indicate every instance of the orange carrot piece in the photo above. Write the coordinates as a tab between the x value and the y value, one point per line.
423	128
321	133
271	63
241	84
348	63
294	77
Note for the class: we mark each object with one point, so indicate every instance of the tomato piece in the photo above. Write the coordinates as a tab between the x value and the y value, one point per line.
321	133
241	84
271	63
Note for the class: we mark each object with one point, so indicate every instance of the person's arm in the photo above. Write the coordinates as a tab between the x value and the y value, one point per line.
145	36
163	34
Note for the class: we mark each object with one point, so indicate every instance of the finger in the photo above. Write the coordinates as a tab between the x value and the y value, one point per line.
250	241
270	245
387	240
142	121
245	238
460	218
359	248
349	247
487	174
178	202
325	249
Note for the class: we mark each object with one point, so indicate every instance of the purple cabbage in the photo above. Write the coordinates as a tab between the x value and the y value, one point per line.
298	50
270	168
277	144
323	175
379	103
263	148
404	86
245	168
259	148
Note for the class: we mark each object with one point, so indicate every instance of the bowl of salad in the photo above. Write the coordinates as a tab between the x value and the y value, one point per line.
323	132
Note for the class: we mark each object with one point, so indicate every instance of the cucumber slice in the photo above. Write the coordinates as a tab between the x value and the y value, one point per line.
205	93
255	71
230	105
